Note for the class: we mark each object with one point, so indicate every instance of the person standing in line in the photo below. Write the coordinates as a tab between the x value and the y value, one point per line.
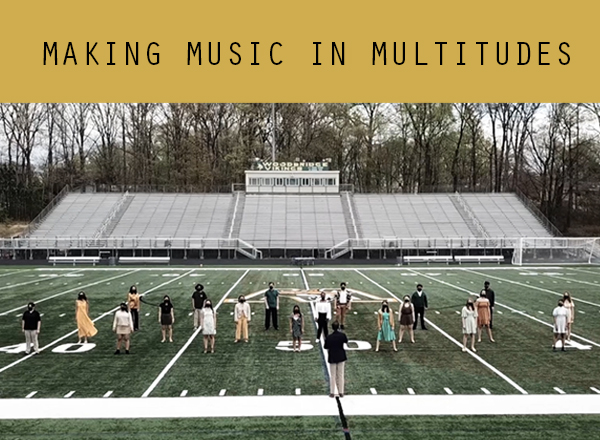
85	326
570	306
133	298
491	296
31	325
385	324
561	321
198	298
482	306
469	324
296	327
123	326
419	301
336	357
242	316
271	307
343	304
208	322
406	316
166	318
323	316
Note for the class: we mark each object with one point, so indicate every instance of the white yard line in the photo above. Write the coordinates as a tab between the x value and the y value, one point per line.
183	393
529	286
595	390
410	391
107	394
455	342
260	392
298	391
485	391
373	391
26	283
448	391
14	273
303	406
30	395
547	324
69	394
188	343
222	392
110	312
78	288
559	391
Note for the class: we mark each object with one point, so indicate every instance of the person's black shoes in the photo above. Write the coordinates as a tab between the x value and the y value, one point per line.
117	351
126	351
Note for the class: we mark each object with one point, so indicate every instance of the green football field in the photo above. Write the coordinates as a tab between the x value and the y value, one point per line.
520	362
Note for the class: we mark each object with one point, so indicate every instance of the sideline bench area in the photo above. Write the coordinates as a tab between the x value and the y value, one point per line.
303	261
74	260
142	260
449	259
479	259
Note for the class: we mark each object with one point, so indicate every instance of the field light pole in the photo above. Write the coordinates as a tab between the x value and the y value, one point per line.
274	135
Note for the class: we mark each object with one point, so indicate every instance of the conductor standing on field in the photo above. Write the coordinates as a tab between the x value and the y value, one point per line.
419	300
491	296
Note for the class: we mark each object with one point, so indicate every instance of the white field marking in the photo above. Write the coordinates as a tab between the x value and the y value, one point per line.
69	291
559	391
30	395
534	287
37	281
437	313
410	391
222	392
595	390
15	272
183	393
69	394
499	312
315	274
107	394
61	315
448	391
454	341
110	312
485	391
147	314
190	314
260	392
513	310
298	391
540	312
582	312
373	391
189	342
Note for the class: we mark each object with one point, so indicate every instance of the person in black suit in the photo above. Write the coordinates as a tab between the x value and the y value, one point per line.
419	300
491	296
334	344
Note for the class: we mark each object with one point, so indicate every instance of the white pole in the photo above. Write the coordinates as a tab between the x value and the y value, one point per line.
274	135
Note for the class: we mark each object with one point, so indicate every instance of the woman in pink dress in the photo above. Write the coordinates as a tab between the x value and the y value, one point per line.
482	306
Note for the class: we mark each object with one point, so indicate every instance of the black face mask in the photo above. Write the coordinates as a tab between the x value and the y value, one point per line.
30	308
270	287
207	305
242	300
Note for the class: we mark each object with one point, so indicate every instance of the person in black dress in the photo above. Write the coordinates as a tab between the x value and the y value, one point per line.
334	343
166	318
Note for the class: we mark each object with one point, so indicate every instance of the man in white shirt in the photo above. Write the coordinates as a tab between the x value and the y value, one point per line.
323	315
343	298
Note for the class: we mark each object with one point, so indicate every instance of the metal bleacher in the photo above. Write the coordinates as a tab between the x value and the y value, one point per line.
175	215
78	214
293	221
504	215
409	215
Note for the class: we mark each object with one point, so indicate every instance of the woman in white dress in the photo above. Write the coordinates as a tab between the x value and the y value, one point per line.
561	320
570	306
208	322
469	324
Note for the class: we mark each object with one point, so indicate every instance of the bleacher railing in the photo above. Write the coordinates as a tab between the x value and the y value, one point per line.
37	221
539	215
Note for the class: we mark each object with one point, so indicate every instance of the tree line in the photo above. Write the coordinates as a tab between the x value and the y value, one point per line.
547	151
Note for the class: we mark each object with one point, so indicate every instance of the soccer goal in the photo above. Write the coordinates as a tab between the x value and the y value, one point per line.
556	250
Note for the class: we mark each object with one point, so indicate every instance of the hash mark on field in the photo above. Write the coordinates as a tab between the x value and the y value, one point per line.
69	394
190	314
260	392
298	391
448	391
540	312
373	391
107	394
559	391
222	392
183	393
595	390
485	391
582	312
147	314
61	315
30	395
410	391
499	312
457	312
437	313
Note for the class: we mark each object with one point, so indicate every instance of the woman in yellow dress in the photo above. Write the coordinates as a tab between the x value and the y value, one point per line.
85	326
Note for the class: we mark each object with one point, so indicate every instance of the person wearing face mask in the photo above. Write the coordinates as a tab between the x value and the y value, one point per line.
208	322
166	318
385	324
482	305
133	299
198	298
561	320
323	316
296	327
31	325
469	324
242	316
570	306
123	326
419	300
343	299
406	315
271	307
85	326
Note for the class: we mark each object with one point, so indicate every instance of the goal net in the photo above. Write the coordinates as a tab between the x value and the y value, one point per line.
556	250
